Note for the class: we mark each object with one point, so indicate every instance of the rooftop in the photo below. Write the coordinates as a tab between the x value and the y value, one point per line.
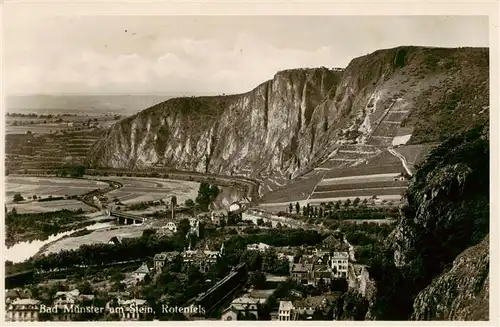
26	302
286	305
143	269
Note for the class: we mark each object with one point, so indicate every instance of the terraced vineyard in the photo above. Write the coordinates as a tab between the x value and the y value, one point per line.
30	152
351	171
298	190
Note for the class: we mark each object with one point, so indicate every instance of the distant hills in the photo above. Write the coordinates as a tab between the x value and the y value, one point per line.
122	104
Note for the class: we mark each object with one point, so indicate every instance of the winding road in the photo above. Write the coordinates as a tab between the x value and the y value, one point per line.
402	158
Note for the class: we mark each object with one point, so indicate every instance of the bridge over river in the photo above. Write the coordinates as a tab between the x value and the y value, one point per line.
125	218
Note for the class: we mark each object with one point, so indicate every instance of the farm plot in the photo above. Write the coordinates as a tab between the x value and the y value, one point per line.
137	190
396	116
48	186
366	170
295	191
335	163
383	159
49	206
359	193
359	179
386	129
380	140
362	185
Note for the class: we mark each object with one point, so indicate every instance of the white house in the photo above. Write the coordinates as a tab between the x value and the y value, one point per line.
133	309
141	272
258	247
339	263
171	226
285	312
23	310
234	207
243	305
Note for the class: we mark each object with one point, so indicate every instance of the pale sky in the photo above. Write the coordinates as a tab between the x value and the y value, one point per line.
203	54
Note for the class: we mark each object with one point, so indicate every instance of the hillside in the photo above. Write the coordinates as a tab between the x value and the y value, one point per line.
304	118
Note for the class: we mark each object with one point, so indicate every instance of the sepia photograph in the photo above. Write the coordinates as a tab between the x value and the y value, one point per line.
234	168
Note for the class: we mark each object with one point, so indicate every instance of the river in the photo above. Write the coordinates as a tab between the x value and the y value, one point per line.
24	250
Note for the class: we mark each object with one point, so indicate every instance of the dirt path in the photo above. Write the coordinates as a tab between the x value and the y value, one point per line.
402	158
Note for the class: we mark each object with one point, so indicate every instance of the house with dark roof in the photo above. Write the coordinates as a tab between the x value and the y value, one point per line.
14	295
140	273
160	259
304	309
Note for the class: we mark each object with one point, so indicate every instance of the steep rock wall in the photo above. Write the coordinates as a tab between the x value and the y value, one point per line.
290	123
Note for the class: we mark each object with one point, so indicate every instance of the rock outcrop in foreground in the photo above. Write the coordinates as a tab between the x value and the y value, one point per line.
462	293
435	269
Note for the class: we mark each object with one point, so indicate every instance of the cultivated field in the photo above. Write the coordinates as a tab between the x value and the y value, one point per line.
359	179
28	152
297	190
103	236
366	169
360	185
48	186
361	192
140	189
49	206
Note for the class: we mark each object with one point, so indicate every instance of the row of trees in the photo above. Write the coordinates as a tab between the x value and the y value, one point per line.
337	210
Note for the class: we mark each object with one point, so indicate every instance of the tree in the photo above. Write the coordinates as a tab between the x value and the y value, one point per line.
147	233
290	207
257	279
337	204
206	195
356	202
173	201
347	203
85	288
183	228
189	203
18	197
297	208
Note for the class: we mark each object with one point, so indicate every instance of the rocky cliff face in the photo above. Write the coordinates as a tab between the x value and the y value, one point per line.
445	213
462	293
291	122
448	194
